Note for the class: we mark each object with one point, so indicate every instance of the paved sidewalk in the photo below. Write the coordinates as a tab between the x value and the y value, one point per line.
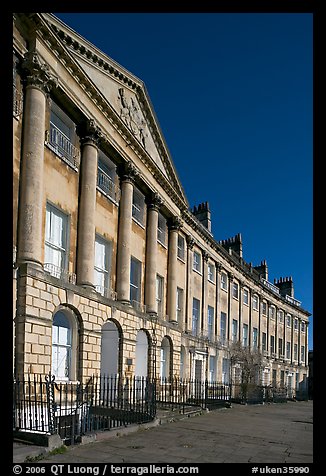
271	433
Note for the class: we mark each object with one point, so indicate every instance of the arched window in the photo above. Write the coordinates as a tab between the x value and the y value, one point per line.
165	358
183	362
61	346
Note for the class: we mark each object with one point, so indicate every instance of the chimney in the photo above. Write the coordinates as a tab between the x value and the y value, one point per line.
203	214
285	285
262	270
234	244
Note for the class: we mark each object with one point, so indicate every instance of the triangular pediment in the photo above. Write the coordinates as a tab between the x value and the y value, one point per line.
125	94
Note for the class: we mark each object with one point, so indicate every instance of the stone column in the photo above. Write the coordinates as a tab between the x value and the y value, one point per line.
188	320
90	135
39	83
204	324
151	253
174	227
129	174
229	329
299	341
217	300
240	315
276	332
306	350
268	333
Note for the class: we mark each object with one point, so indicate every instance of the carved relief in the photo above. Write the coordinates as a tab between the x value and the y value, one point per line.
131	115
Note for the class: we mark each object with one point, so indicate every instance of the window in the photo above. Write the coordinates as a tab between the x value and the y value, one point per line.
62	135
280	317
135	279
223	327
210	321
280	347
274	374
225	371
56	239
235	290
197	262
272	312
138	206
61	346
246	297
288	320
288	350
165	358
211	272
264	306
255	302
303	327
272	345
195	316
159	294
181	247
295	352
211	368
234	330
179	304
106	176
102	265
264	342
282	378
255	338
161	229
224	281
302	353
296	324
245	335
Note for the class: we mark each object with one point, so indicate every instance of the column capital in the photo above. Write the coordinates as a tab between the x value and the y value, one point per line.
128	172
37	73
190	242
175	223
230	276
90	133
205	256
218	267
155	201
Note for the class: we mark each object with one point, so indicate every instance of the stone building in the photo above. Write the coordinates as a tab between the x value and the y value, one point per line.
113	272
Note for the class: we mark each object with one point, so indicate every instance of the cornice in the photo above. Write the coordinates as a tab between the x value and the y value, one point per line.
63	56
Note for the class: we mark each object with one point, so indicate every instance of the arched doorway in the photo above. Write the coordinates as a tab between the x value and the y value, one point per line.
141	358
64	345
110	347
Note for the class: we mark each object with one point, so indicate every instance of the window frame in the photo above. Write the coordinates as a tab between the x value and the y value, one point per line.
137	285
138	207
197	263
195	317
64	250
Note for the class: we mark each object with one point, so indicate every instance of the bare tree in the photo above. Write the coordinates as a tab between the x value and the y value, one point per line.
249	361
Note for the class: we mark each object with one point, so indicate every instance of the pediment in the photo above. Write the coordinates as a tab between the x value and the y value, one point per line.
125	94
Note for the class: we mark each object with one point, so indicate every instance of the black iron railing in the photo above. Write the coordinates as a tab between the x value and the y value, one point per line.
40	404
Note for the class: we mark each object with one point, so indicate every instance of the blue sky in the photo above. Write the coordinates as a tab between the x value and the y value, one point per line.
233	96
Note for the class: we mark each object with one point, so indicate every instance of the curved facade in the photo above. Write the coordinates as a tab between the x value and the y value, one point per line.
113	272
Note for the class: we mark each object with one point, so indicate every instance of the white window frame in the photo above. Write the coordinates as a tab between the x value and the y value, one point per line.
211	272
161	229
137	284
234	330
181	247
138	207
255	338
264	341
245	330
195	317
288	350
271	312
288	320
235	290
210	321
159	294
295	351
179	306
302	353
255	302
196	265
280	317
59	248
224	281
264	308
223	327
104	268
61	349
245	297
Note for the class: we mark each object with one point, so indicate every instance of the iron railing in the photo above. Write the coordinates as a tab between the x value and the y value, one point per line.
60	273
107	185
62	146
42	405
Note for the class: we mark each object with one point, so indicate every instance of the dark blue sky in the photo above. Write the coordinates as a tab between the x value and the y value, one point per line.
233	96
